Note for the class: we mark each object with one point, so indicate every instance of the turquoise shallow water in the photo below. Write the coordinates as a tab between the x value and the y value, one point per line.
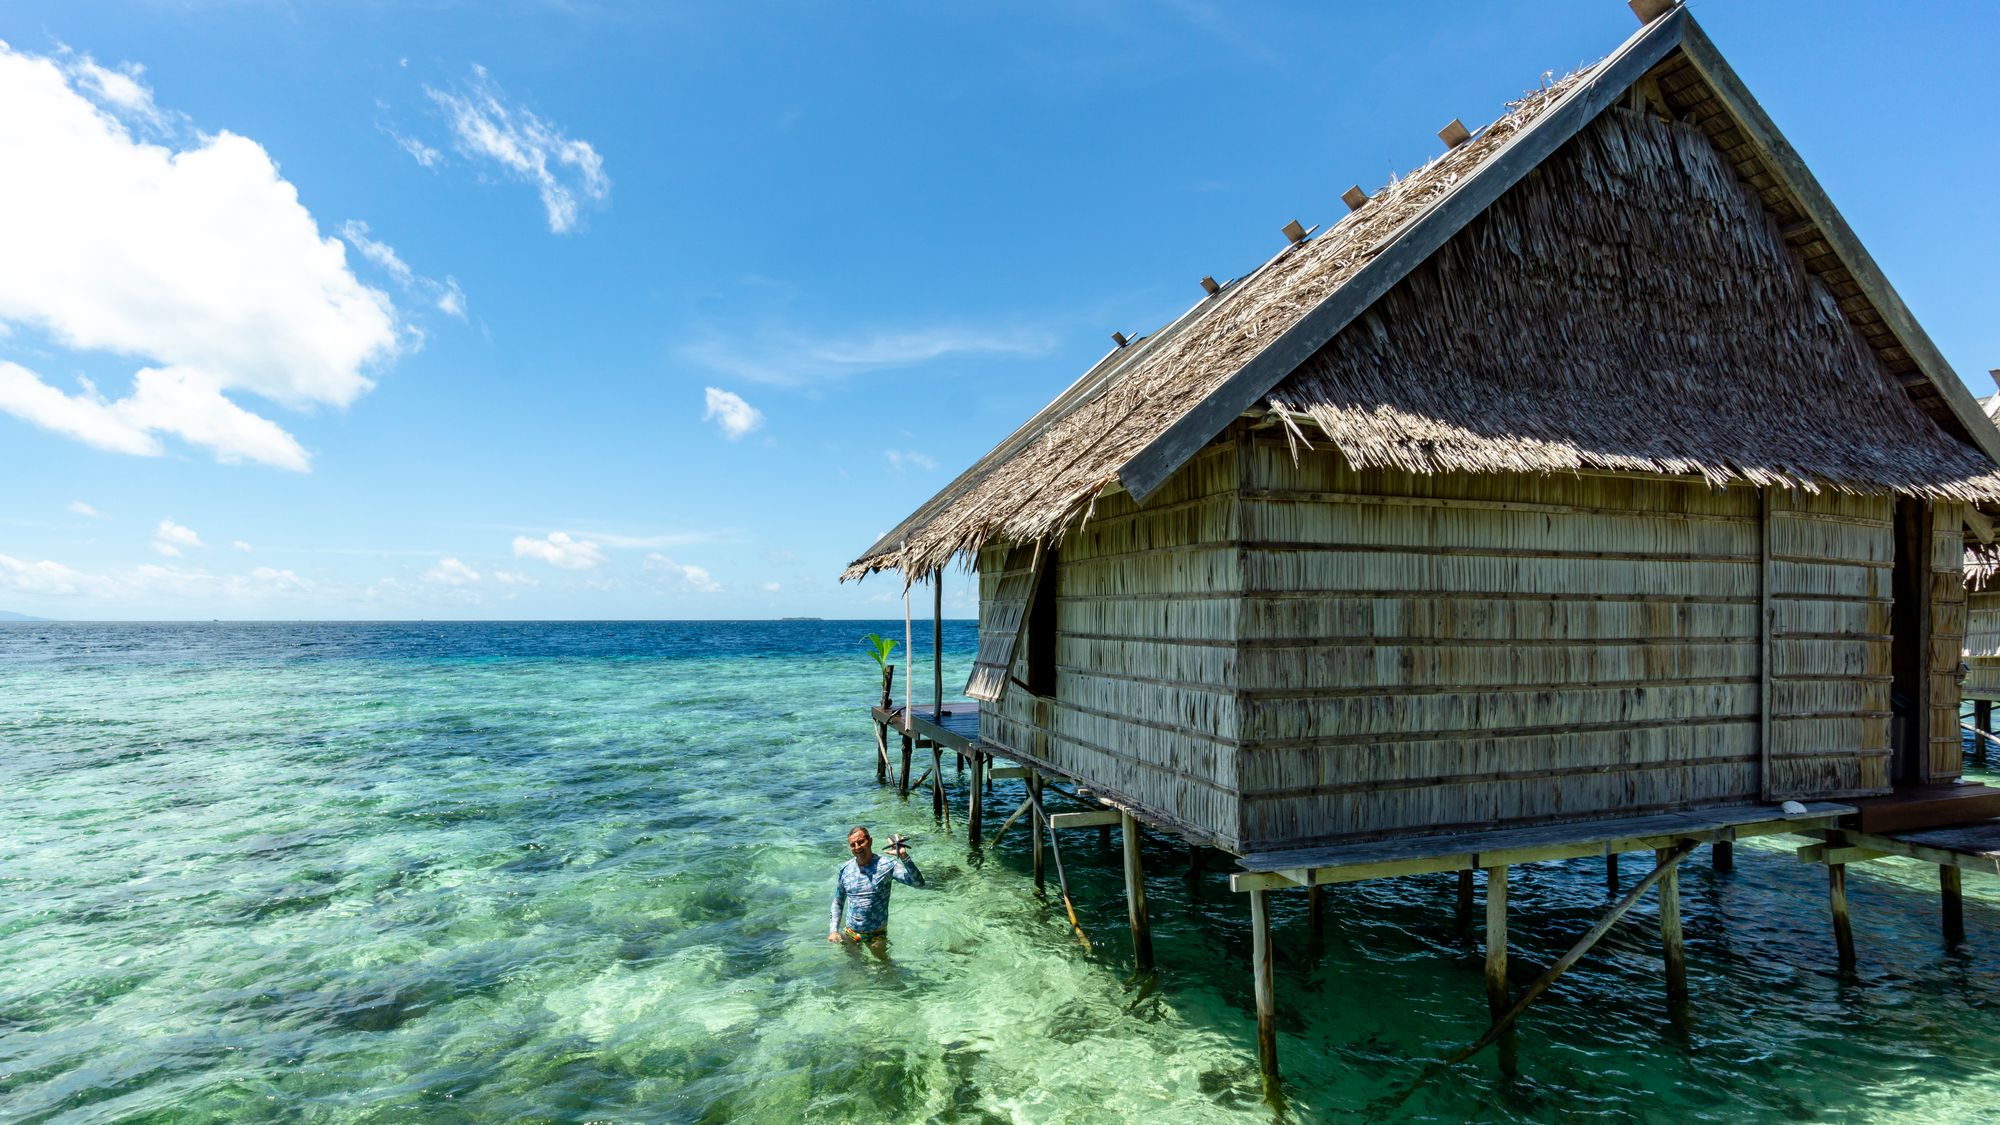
577	872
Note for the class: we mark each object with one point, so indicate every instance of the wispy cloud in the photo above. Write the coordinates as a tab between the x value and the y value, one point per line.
787	358
445	296
170	537
559	549
901	459
451	572
83	509
566	171
728	410
685	577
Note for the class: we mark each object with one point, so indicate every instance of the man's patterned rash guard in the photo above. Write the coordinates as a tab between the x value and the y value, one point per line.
863	893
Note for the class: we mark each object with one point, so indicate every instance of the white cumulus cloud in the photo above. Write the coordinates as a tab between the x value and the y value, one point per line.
558	549
239	545
451	572
728	410
566	171
170	537
196	261
689	577
83	509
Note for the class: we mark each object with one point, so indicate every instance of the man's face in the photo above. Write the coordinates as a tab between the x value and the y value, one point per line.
860	845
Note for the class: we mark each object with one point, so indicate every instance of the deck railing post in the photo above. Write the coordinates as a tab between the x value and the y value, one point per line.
1267	997
1496	963
1135	894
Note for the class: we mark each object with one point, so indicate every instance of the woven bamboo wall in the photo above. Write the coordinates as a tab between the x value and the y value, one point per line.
1947	640
1459	651
1982	645
1146	608
1831	565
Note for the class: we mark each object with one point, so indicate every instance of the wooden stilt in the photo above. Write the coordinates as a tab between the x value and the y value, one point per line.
1611	872
1982	720
1267	997
975	809
1316	911
1104	835
1135	895
1036	829
1722	854
937	782
903	786
1843	928
881	753
1496	962
1670	930
1954	905
1194	861
1462	919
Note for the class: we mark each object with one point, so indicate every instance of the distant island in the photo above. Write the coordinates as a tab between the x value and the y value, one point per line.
9	615
802	619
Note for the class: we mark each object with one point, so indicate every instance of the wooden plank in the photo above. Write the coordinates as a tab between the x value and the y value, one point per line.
1092	819
1784	162
1411	243
1743	820
1009	773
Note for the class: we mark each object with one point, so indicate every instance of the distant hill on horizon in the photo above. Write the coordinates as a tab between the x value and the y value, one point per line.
9	615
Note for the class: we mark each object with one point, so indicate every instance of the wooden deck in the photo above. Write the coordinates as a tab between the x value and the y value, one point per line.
1463	851
1924	806
957	730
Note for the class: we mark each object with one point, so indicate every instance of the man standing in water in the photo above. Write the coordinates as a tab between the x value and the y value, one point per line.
861	891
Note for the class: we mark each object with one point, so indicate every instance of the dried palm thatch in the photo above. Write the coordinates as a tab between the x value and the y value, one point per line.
1446	374
1628	307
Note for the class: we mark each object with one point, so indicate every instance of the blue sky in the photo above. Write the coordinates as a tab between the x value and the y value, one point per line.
575	309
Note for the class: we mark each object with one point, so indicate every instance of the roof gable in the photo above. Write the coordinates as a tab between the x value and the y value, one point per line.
1143	411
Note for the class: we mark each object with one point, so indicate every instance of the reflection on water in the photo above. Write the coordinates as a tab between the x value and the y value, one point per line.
580	872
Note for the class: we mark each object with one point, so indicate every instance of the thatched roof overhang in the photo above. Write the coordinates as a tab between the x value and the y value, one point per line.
1136	418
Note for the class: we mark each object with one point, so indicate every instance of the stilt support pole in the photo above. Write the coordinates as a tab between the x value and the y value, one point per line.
1035	830
1954	905
1462	917
1670	931
1267	998
1843	928
1316	910
975	804
937	782
1496	962
1611	873
903	785
1722	854
1135	895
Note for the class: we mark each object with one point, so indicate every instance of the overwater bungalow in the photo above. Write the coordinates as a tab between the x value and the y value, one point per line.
1589	490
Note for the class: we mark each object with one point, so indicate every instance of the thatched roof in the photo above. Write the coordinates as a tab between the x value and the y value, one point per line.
1708	314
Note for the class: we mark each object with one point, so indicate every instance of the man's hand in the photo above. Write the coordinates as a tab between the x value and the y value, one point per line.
834	938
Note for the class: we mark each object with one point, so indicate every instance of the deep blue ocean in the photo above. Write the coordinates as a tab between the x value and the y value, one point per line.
580	872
